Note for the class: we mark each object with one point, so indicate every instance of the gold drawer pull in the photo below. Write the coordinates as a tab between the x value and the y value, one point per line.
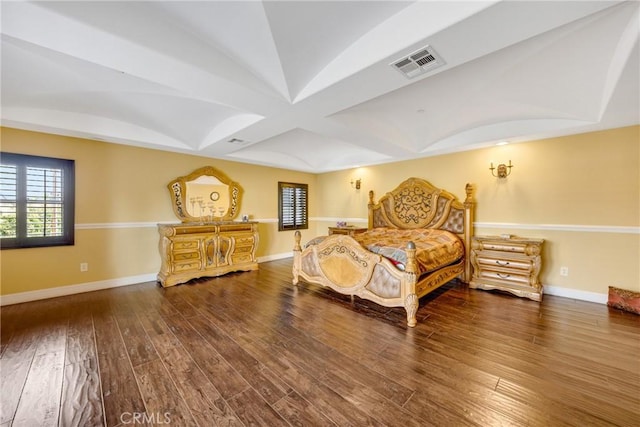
502	263
503	276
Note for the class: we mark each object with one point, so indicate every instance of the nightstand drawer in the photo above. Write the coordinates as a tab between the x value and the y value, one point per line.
504	276
487	262
503	247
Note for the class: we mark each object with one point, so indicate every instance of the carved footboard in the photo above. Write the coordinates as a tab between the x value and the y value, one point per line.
340	263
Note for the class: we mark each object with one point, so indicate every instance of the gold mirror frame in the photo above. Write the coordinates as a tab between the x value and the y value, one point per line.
181	200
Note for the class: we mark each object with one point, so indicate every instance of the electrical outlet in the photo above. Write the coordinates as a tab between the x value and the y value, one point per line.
84	266
564	271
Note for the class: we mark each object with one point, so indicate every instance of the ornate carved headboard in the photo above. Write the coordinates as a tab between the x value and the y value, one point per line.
416	203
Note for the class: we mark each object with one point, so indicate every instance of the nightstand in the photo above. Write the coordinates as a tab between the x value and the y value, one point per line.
507	264
348	230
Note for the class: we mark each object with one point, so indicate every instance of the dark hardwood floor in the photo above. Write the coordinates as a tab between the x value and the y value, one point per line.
251	349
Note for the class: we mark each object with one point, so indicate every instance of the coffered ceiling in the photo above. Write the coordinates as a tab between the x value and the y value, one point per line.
311	85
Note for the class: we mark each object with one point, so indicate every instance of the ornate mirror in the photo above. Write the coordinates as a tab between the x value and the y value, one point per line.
205	195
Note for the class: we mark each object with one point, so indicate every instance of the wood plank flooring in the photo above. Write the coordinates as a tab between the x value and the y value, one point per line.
251	349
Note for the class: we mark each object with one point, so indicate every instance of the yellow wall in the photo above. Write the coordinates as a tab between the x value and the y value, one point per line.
560	184
590	180
121	193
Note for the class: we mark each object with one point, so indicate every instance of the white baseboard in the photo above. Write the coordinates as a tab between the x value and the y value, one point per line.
275	257
576	294
61	291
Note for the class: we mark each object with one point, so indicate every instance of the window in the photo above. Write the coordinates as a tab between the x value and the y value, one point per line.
36	201
293	207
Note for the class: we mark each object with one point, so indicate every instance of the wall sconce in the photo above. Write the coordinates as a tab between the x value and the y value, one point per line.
503	170
356	183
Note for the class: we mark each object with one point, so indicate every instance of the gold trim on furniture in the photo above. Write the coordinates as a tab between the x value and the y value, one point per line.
205	195
342	264
207	243
507	264
189	251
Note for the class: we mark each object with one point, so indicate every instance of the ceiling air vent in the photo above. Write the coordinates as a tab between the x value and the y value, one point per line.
419	62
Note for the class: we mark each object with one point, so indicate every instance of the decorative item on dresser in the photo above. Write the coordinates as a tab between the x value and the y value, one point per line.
208	242
507	263
349	230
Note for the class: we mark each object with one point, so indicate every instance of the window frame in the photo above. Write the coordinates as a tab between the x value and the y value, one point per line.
22	162
281	206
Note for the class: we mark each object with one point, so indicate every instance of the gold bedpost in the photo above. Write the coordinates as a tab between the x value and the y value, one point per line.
297	256
297	236
371	204
469	207
411	299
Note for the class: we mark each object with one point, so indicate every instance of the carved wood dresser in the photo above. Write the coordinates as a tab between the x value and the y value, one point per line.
189	251
208	242
507	264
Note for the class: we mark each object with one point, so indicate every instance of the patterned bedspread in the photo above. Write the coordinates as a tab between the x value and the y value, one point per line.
434	248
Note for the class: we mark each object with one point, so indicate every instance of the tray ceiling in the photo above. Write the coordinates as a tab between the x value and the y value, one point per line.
312	85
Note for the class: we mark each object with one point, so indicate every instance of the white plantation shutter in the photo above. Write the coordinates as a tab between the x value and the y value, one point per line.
293	206
8	200
44	202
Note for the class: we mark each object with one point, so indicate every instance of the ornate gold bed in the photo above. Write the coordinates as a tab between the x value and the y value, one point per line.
343	264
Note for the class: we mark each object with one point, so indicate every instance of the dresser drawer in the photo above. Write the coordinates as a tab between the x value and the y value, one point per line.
243	249
244	241
241	258
180	245
184	256
236	228
187	266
